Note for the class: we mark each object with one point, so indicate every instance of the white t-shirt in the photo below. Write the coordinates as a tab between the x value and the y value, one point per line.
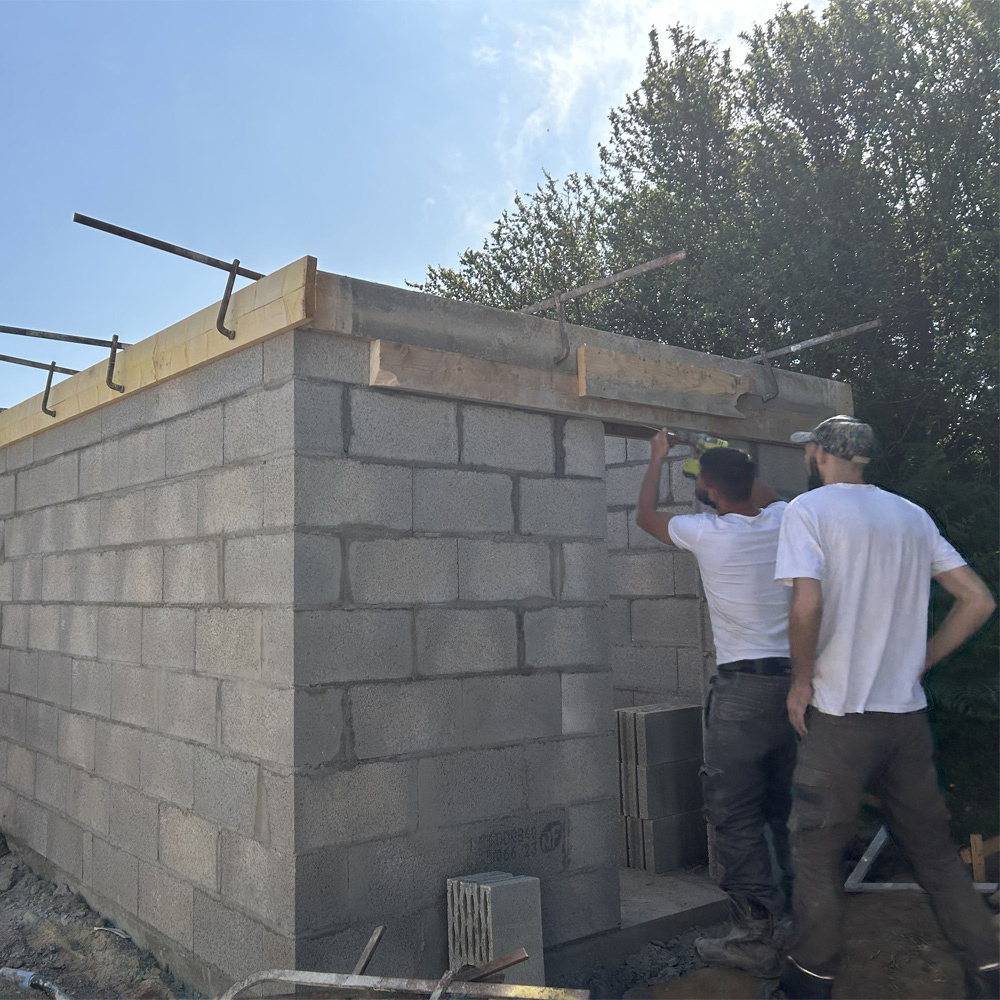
874	554
736	556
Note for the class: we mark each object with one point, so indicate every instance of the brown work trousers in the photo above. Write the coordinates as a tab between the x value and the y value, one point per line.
893	753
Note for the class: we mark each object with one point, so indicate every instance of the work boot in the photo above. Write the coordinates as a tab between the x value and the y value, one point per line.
797	984
749	945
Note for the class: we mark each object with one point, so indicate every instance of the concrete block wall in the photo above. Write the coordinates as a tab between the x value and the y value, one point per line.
279	653
661	638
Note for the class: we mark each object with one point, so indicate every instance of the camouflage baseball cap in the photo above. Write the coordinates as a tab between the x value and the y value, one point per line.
843	437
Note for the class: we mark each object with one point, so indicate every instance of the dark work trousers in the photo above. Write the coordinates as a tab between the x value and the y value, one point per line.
894	754
746	778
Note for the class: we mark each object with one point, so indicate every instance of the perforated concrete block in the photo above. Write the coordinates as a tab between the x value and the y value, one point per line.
463	642
404	571
563	637
507	439
562	507
194	442
672	621
166	769
410	717
407	428
189	846
456	500
585	575
336	492
503	571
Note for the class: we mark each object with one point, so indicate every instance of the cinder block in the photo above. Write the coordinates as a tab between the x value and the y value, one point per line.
42	727
133	696
338	646
583	448
188	707
13	717
76	739
668	789
123	519
225	790
318	407
64	845
230	375
228	642
43	626
18	454
614	450
279	492
171	511
97	576
259	423
412	717
366	802
166	903
28	822
594	832
260	569
82	524
78	630
259	880
172	398
7	495
91	688
119	634
26	579
503	571
99	469
633	833
408	428
565	637
642	574
14	627
404	571
89	801
140	575
228	939
319	726
191	573
194	442
81	431
471	785
686	578
129	412
454	500
587	703
142	456
507	439
692	670
674	841
6	581
134	822
51	782
332	493
117	873
673	621
116	755
21	770
231	500
617	536
572	770
55	678
258	721
638	449
50	483
666	733
168	638
584	571
782	467
647	668
581	904
24	672
530	708
321	881
166	769
681	487
318	355
276	815
278	646
58	572
623	484
562	507
5	669
466	642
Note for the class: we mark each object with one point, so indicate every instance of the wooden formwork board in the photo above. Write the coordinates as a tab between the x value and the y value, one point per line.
280	301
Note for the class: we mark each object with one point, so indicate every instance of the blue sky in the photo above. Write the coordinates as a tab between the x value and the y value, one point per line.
378	135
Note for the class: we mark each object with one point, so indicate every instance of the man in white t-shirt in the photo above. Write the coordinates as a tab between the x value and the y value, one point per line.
860	561
749	746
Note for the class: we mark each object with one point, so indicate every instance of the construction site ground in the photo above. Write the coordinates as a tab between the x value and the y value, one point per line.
893	949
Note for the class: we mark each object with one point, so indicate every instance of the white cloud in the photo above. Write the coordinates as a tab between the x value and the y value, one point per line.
485	55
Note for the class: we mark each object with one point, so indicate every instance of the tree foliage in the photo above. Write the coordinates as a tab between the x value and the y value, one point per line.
848	170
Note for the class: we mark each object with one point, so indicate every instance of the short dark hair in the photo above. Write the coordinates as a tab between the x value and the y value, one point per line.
730	471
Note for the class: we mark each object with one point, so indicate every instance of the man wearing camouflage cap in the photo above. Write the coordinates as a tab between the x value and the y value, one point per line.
860	561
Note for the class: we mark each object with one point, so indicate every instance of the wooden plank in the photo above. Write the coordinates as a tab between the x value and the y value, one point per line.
277	302
633	378
991	846
457	376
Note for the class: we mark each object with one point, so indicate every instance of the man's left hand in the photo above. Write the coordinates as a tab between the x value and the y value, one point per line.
799	696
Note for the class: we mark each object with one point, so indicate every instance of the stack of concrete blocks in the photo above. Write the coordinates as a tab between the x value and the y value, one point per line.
492	914
661	636
662	827
281	652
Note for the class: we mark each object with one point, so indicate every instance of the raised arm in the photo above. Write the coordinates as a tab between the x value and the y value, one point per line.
803	638
648	517
973	606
